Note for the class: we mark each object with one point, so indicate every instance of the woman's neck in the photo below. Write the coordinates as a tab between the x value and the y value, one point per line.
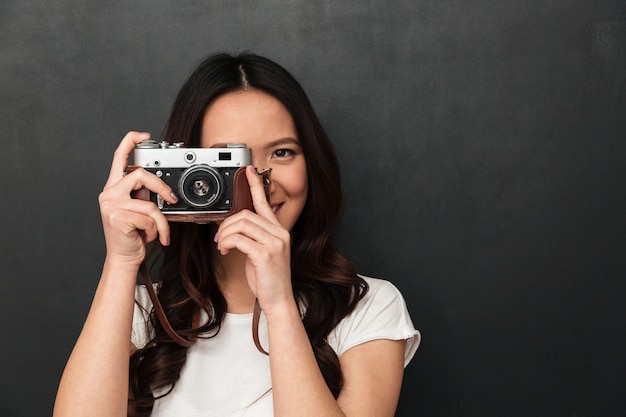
230	272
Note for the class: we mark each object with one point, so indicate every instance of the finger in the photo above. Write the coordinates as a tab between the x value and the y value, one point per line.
122	155
238	222
256	246
131	222
254	228
259	200
162	226
130	214
245	223
142	179
239	242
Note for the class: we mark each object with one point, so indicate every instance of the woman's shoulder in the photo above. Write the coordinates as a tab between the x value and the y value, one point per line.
382	313
381	292
379	285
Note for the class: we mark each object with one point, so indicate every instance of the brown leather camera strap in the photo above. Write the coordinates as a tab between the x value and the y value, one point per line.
158	308
256	317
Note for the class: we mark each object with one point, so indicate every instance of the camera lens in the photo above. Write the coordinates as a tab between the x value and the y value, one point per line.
200	186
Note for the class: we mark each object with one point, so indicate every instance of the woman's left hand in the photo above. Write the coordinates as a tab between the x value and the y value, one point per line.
266	244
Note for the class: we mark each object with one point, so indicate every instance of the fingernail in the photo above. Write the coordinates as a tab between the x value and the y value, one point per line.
174	196
252	169
216	237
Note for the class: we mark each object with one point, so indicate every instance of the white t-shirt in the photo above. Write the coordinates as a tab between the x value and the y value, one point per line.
226	376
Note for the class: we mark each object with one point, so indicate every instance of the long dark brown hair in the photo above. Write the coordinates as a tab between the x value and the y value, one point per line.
322	279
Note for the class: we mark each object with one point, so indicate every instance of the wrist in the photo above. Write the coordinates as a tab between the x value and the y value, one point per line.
120	269
283	311
124	262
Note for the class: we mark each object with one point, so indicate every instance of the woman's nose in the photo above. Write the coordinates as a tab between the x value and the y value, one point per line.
258	163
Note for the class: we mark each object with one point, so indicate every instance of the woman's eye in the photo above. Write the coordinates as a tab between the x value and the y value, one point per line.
281	153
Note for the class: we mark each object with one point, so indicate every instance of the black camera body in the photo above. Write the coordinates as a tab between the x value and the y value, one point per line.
202	178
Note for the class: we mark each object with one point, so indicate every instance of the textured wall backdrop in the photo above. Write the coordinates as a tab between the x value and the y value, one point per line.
482	145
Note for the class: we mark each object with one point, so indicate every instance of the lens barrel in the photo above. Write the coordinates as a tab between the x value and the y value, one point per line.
201	186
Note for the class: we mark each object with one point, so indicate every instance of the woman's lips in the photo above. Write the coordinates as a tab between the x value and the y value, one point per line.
276	207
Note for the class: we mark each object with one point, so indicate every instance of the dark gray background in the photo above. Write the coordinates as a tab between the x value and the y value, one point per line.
482	146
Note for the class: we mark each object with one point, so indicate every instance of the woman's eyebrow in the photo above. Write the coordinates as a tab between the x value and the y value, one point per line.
272	144
283	141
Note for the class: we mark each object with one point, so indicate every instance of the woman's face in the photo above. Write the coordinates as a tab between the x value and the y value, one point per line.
266	127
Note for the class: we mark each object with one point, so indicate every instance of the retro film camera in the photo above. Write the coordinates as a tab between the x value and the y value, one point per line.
210	182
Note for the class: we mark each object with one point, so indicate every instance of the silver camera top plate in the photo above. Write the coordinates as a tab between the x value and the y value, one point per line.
153	155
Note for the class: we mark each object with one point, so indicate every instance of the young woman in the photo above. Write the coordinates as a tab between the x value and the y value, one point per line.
337	342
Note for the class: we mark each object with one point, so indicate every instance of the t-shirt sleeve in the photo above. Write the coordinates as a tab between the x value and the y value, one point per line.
141	331
381	314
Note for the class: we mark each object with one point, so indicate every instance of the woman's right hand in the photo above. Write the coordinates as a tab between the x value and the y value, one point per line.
129	223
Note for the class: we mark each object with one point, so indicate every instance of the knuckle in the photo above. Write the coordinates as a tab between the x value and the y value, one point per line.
115	218
152	211
135	171
150	223
265	257
279	245
283	239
